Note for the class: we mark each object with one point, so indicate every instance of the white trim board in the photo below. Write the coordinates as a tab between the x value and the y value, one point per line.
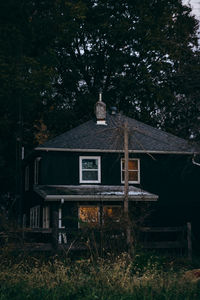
143	197
115	151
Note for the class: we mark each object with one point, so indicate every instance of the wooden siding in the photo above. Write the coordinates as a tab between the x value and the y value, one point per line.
173	177
62	168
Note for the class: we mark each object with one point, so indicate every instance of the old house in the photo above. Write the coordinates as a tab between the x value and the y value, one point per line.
80	175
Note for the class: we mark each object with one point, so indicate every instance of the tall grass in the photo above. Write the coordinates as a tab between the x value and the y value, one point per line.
144	277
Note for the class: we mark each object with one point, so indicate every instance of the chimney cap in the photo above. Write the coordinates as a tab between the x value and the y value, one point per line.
113	110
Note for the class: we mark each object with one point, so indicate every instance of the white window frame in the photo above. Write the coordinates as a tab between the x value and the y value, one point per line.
35	217
81	180
36	170
98	214
26	180
138	160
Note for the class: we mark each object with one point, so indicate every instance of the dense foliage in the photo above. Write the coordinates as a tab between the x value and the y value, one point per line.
143	277
55	56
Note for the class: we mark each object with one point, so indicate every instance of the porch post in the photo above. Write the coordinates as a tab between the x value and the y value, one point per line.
55	228
189	240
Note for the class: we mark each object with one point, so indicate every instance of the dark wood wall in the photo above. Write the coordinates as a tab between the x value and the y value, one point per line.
173	177
63	167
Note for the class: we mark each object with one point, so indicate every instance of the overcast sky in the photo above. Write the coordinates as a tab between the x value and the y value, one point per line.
195	6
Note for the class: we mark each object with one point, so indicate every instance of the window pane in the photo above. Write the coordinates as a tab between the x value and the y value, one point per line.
133	165
88	214
31	217
89	164
133	175
90	175
123	175
112	212
37	217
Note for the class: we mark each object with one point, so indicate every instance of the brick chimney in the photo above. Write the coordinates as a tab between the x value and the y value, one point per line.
101	111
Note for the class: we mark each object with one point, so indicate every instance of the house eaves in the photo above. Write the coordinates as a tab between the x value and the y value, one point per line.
115	151
92	193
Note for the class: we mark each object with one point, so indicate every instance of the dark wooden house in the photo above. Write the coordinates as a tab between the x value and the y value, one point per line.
80	175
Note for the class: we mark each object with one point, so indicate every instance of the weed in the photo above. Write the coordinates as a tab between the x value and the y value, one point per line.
146	276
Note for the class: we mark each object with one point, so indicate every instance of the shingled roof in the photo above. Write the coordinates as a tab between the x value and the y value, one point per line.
109	138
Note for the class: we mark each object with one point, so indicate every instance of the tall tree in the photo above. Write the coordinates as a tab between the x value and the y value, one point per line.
25	79
136	51
56	54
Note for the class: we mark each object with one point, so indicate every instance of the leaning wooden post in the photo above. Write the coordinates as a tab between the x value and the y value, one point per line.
55	229
126	187
189	240
126	158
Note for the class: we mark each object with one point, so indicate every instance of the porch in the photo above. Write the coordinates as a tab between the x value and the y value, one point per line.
181	241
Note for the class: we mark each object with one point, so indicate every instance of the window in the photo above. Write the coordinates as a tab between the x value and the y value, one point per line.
35	217
92	215
112	213
88	214
26	184
36	170
90	169
46	217
133	170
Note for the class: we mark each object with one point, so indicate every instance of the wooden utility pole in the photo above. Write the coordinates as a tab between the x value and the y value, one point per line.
126	187
18	175
126	158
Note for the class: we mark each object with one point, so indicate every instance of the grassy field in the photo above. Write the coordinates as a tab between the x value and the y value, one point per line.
146	276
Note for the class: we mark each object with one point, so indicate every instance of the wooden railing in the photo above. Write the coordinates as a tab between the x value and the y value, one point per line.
182	240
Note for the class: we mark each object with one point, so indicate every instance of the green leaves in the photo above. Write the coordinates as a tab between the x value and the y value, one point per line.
131	50
55	56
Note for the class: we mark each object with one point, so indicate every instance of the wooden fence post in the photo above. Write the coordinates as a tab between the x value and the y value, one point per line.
189	240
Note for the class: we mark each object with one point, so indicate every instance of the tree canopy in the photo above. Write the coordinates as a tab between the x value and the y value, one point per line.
138	52
55	56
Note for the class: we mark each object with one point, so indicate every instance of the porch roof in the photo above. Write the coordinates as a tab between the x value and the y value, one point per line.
92	193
